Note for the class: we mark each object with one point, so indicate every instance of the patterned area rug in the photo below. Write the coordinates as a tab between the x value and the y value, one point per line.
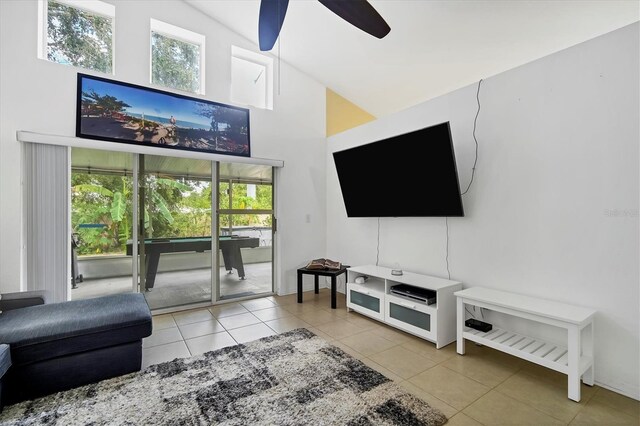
291	378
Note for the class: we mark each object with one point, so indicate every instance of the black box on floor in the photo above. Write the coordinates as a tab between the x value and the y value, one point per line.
478	325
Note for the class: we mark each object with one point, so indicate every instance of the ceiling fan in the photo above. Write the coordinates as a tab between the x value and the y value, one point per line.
358	13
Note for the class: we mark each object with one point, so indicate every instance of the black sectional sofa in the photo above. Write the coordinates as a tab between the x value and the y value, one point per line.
58	346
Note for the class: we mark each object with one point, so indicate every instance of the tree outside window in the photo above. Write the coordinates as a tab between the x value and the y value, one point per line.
174	207
79	37
175	63
260	197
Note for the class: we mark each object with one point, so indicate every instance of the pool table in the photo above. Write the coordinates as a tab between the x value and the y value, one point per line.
229	245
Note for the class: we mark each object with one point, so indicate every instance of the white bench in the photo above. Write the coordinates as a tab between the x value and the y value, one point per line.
575	359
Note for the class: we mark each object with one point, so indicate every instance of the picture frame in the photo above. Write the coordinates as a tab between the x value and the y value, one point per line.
115	111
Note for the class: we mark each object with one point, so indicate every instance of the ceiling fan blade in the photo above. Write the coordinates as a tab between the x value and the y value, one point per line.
360	14
270	22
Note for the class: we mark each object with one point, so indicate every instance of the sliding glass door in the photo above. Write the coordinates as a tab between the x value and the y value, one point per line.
175	225
245	229
144	223
102	205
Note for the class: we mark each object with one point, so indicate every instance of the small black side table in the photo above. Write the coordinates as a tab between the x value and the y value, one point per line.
333	273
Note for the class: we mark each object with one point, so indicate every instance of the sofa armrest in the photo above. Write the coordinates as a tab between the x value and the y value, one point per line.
22	299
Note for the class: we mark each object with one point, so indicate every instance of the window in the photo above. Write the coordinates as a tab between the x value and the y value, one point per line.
77	33
251	78
177	57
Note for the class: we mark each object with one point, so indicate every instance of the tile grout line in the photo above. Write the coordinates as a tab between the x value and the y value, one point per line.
182	335
586	402
531	406
226	330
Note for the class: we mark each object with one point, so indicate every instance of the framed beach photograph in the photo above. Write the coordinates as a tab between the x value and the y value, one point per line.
121	112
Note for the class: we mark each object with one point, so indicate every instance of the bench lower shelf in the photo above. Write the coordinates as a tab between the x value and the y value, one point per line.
535	350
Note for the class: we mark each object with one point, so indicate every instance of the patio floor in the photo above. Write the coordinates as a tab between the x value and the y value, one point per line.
184	287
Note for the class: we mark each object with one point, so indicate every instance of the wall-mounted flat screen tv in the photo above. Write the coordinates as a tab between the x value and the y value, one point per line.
409	175
121	112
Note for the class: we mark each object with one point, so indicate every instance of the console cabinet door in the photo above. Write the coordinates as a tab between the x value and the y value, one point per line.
365	301
412	316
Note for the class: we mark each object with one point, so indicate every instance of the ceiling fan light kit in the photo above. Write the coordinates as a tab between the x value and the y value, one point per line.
358	13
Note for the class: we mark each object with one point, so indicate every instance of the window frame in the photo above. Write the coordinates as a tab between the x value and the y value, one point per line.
258	59
181	34
95	7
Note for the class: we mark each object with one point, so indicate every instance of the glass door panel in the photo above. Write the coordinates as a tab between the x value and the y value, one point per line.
246	254
175	220
245	229
101	222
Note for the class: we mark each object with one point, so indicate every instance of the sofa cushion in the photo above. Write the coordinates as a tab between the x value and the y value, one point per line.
5	359
47	331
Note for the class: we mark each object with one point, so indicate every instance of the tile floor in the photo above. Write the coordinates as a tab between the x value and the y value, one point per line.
482	387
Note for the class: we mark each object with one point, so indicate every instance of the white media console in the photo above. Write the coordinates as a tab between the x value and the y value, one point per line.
435	322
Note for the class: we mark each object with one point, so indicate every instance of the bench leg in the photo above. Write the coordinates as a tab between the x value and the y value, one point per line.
460	325
299	287
573	364
588	376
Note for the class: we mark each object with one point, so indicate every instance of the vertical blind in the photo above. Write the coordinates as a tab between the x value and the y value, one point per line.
46	233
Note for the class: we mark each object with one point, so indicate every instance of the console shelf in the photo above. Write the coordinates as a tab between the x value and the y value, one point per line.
435	322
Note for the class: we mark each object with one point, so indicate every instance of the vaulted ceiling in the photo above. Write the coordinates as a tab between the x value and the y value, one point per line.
434	47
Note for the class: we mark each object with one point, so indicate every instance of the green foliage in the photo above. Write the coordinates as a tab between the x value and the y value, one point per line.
118	207
79	38
240	200
90	187
162	200
162	207
194	219
175	63
105	200
174	208
174	184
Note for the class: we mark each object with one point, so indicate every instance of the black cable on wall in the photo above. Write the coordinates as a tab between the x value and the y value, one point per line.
473	172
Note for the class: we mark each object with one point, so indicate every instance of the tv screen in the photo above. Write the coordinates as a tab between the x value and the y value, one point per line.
409	175
121	112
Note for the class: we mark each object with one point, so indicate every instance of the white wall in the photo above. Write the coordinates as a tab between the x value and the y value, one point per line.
38	95
553	211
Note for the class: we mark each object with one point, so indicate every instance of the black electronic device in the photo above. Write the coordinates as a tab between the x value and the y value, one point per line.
409	175
478	325
417	293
